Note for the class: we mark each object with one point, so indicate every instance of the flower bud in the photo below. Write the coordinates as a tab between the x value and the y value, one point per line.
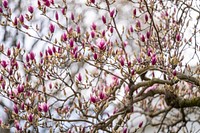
1	10
49	51
140	125
134	12
94	27
4	64
5	3
92	33
71	43
78	29
15	22
64	37
153	60
30	117
45	107
51	28
93	99
138	25
15	109
142	38
21	19
111	29
148	34
146	18
56	16
112	13
178	37
121	60
131	29
32	55
63	11
79	77
92	1
30	9
72	16
95	56
18	45
103	19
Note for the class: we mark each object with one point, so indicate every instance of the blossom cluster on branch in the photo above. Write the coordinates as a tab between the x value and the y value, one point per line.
105	76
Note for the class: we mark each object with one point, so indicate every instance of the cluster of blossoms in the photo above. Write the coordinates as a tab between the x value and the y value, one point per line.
91	77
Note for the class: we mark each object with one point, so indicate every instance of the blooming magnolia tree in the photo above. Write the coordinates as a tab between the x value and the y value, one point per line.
129	70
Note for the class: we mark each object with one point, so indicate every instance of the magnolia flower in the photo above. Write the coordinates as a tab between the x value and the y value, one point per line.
78	29
134	12
5	3
94	26
140	125
32	55
21	19
95	56
4	64
30	9
51	28
79	77
101	44
30	117
112	12
92	1
72	16
103	18
146	17
153	60
15	109
44	107
93	99
56	15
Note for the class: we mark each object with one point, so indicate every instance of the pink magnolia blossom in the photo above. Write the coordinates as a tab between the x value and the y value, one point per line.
103	18
92	34
56	16
72	16
4	64
93	99
94	26
44	107
101	44
21	19
153	60
92	1
31	9
121	60
64	37
178	37
15	22
5	3
30	117
140	124
78	29
32	55
138	24
51	28
112	12
71	42
146	18
142	38
95	56
79	77
1	10
134	12
15	109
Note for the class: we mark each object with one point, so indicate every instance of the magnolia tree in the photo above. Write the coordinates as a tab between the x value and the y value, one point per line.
100	66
